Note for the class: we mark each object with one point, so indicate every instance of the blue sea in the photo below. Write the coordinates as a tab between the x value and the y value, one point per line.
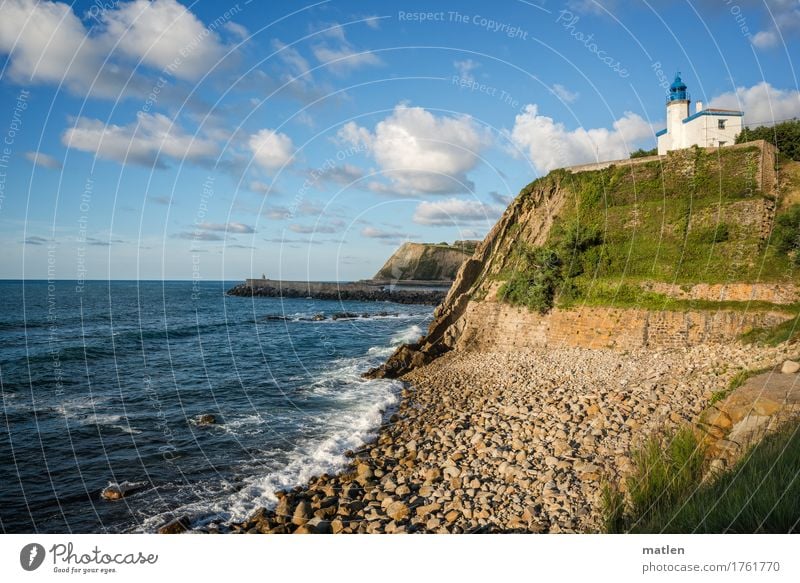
103	384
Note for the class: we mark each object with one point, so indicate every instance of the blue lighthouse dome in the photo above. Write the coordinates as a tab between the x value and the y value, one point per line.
678	89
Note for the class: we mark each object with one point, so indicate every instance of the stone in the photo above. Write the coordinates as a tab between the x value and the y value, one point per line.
397	511
112	493
176	526
319	525
433	474
206	419
790	367
302	514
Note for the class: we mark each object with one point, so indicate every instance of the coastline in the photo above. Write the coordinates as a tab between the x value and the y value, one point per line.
509	442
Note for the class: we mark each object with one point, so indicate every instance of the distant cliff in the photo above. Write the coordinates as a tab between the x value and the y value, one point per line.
426	261
671	251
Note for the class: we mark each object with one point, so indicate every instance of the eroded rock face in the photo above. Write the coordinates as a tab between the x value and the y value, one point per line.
529	219
764	402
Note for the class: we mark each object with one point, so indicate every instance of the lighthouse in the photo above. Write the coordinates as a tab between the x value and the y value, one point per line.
706	127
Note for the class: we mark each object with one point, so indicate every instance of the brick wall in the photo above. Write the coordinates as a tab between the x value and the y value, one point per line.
497	326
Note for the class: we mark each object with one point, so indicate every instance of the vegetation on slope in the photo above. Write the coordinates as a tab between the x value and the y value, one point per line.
785	136
692	218
666	493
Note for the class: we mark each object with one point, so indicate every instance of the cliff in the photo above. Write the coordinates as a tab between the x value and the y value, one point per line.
671	251
426	261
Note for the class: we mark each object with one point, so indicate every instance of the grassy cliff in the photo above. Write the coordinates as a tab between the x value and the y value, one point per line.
696	216
426	261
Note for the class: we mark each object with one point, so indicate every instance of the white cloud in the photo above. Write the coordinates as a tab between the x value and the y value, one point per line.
340	55
232	227
420	152
455	211
564	94
375	233
784	19
765	39
147	141
345	174
271	149
465	68
292	57
549	144
161	31
308	229
43	160
237	30
761	103
46	42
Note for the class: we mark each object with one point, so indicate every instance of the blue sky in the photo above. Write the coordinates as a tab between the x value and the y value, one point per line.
221	140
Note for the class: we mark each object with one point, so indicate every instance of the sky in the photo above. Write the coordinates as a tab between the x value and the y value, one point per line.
216	140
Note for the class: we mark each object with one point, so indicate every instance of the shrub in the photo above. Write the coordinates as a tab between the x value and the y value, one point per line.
640	153
785	136
786	234
536	280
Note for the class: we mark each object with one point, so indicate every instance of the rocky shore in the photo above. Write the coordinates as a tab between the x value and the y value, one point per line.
510	442
345	293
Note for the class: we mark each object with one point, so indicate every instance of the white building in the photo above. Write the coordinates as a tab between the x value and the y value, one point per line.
705	127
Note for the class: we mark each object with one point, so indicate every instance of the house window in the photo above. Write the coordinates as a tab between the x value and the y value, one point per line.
721	124
721	143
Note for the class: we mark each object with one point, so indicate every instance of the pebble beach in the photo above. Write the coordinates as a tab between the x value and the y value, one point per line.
509	442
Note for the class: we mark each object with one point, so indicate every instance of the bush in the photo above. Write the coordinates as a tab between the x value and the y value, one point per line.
536	280
640	153
785	136
786	234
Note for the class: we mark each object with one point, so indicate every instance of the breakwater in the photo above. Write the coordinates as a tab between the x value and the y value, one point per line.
417	292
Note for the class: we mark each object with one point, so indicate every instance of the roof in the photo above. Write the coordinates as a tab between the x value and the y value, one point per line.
713	111
662	132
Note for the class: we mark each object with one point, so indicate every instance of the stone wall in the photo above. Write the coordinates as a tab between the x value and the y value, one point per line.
496	326
774	293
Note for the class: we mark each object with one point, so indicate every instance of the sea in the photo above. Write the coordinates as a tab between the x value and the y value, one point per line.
103	383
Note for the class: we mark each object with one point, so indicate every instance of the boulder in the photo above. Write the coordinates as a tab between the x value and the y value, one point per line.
302	514
790	367
176	526
206	419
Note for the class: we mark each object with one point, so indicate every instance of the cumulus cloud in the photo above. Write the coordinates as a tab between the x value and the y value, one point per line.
159	32
783	17
420	152
340	55
43	160
455	211
232	227
271	150
761	103
549	144
148	141
46	42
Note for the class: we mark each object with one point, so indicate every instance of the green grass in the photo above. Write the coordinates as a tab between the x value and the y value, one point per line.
758	495
656	221
788	331
667	470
